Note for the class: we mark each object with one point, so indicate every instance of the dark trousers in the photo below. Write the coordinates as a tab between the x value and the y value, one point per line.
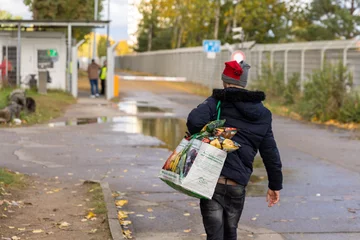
221	215
103	86
94	86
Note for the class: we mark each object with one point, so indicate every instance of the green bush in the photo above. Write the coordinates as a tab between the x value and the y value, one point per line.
350	109
325	92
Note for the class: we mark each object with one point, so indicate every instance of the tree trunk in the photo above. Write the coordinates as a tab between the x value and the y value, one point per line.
179	37
228	29
217	20
352	8
150	37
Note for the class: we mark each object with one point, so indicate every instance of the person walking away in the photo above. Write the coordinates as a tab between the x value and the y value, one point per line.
103	73
93	74
242	109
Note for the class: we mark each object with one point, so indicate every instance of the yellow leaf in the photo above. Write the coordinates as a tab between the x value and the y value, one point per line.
139	215
11	227
150	210
84	220
125	222
38	231
121	203
93	230
49	192
186	214
15	238
127	234
122	215
99	150
57	190
125	171
90	215
64	225
152	217
21	229
187	230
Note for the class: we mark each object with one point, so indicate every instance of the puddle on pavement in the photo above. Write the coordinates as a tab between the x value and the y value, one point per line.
168	130
137	107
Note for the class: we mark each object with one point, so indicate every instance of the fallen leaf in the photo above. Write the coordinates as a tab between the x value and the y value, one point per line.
80	205
187	230
121	203
150	210
38	231
253	219
125	222
139	215
57	190
15	238
93	230
186	214
70	174
11	227
50	233
127	234
315	218
84	220
203	235
152	217
64	225
91	215
49	192
115	194
122	215
21	229
99	150
125	171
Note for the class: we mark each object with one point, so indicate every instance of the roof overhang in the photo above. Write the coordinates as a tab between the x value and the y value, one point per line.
50	23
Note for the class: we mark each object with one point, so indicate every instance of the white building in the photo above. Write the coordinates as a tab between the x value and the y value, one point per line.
39	50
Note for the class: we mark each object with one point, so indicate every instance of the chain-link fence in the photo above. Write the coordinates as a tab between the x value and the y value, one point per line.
192	63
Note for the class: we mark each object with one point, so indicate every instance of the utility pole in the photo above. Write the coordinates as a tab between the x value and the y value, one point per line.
96	11
108	26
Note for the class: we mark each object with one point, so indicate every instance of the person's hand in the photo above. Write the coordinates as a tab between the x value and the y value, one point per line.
272	197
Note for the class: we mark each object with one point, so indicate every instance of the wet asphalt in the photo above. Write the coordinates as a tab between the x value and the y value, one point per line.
320	199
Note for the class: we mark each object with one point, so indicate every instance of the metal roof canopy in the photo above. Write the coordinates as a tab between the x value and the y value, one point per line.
51	23
69	24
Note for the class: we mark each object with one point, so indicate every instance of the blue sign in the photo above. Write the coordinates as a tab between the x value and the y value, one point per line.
212	46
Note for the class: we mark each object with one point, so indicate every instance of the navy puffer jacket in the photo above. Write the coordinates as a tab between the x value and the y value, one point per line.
244	110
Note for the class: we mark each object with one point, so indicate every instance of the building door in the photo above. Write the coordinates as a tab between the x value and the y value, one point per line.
12	55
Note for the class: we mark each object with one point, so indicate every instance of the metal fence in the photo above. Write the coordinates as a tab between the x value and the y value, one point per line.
192	63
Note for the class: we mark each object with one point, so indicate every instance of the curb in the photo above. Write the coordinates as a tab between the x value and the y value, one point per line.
114	225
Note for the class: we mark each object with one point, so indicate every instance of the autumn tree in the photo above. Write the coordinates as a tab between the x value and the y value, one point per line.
65	10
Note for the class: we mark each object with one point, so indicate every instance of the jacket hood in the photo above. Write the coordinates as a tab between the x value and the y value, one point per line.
248	103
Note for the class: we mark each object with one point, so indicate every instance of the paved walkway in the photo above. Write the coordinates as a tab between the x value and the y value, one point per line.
321	193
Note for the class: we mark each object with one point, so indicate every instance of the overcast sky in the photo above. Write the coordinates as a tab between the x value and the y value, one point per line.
118	15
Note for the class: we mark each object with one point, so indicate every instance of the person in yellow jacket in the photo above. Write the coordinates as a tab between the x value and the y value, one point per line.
103	73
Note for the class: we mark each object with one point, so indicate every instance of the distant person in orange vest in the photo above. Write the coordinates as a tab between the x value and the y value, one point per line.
5	68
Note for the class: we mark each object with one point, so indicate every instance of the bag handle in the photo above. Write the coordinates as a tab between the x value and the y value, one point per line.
218	109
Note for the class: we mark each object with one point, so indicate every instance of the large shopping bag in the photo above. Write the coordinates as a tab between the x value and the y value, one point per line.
195	166
197	170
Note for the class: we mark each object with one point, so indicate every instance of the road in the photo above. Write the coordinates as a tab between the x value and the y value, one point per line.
129	144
